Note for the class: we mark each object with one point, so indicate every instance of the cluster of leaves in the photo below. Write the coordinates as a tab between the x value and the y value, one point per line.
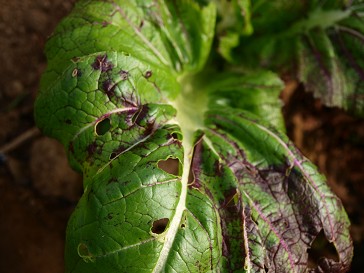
319	42
167	109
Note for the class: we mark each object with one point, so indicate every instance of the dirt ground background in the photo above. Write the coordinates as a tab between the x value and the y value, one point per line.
38	191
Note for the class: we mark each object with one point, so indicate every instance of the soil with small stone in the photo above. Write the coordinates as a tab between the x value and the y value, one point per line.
38	190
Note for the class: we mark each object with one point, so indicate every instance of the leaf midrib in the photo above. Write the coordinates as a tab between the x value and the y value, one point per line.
191	105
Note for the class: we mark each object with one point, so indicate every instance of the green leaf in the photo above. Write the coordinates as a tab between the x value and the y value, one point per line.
185	166
336	56
161	34
233	21
323	40
257	92
273	183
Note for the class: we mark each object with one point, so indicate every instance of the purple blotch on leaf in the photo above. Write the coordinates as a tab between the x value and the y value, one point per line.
141	114
117	152
109	87
105	23
124	75
91	149
148	74
101	63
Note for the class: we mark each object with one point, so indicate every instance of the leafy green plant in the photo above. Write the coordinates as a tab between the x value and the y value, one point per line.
171	111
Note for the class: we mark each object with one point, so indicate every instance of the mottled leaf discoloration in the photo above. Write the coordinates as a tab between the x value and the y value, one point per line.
186	168
102	63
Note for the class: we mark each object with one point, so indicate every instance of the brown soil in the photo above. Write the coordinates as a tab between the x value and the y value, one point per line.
38	191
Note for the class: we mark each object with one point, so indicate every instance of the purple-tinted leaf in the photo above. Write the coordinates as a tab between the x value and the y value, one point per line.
181	171
330	65
322	46
275	192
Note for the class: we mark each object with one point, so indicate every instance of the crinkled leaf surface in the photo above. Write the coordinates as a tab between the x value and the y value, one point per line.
324	38
183	171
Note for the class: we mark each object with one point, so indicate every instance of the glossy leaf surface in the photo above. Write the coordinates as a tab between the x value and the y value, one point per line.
184	167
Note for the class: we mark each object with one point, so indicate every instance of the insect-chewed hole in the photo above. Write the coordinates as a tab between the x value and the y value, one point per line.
103	126
321	247
113	155
171	166
159	226
174	135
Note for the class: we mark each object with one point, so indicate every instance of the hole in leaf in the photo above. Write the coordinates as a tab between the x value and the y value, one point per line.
102	127
159	226
176	135
171	166
320	248
113	155
183	224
